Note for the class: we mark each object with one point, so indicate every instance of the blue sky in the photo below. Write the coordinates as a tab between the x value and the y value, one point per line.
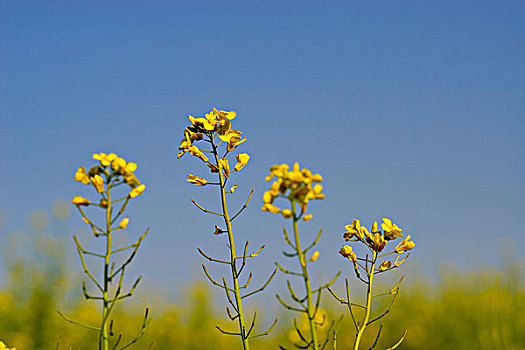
410	110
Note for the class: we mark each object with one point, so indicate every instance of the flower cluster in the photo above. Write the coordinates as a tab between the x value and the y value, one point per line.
298	185
111	171
4	347
215	123
376	241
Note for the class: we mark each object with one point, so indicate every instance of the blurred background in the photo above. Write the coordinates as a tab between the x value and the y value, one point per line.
411	111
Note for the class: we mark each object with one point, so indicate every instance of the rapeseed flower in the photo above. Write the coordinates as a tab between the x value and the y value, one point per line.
98	182
271	208
78	200
298	185
404	245
385	265
242	160
225	166
391	230
123	224
137	191
194	179
105	159
81	176
347	252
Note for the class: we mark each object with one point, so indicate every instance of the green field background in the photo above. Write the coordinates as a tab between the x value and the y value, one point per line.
456	310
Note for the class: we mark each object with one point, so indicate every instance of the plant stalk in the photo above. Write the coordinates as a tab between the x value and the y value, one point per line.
368	302
233	254
302	261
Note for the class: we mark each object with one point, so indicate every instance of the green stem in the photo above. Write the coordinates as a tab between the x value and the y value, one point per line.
233	254
302	261
104	344
368	303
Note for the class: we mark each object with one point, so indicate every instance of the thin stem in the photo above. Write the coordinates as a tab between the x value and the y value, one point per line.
104	341
233	256
364	323
310	309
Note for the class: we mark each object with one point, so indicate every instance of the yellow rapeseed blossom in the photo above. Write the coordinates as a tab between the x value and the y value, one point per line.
4	347
347	252
242	160
225	166
385	265
194	179
308	217
124	223
271	208
404	245
268	197
78	200
297	185
195	151
131	179
391	230
81	176
105	159
378	242
118	163
228	115
315	256
98	182
137	191
286	213
374	227
354	230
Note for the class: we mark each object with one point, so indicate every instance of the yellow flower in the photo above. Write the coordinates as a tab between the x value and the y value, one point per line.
354	230
201	123
194	179
81	176
374	227
347	252
391	230
137	191
404	245
242	160
277	170
286	213
195	151
271	208
233	138
378	242
308	217
105	159
118	163
78	200
103	203
185	144
4	347
228	115
131	179
385	265
225	166
315	256
268	197
98	182
124	223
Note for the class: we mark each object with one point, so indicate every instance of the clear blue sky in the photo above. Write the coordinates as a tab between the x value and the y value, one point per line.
410	110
